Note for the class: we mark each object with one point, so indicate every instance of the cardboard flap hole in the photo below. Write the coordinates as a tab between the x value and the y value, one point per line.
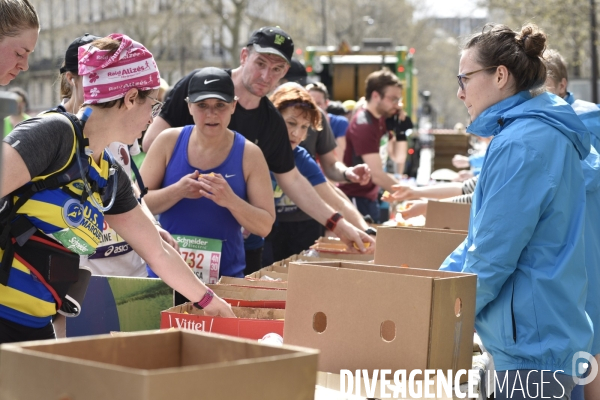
319	322
458	307
388	331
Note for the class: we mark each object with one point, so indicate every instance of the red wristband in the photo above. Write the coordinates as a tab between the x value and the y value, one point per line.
333	220
205	300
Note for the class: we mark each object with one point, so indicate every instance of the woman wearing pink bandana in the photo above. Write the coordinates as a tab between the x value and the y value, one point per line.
120	81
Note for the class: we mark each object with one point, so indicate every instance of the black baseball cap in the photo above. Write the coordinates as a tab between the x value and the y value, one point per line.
272	40
71	59
211	83
296	73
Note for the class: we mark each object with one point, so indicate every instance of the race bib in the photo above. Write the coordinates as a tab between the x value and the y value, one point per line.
202	255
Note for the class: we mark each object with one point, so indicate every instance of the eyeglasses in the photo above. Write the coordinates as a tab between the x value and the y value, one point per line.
467	74
156	107
395	100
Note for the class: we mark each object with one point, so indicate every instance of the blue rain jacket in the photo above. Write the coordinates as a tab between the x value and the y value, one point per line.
589	113
525	240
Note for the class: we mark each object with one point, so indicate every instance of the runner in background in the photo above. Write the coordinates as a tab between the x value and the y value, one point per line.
207	181
22	106
294	231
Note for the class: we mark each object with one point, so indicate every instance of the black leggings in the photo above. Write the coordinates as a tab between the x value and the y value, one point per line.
11	332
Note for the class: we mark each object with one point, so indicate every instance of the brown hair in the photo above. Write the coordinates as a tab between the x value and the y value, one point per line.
107	43
288	96
15	16
520	52
556	65
65	88
379	80
318	87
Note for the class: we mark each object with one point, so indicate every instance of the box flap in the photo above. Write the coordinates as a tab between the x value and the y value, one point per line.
453	323
266	284
348	311
248	293
124	350
415	247
445	215
240	312
431	273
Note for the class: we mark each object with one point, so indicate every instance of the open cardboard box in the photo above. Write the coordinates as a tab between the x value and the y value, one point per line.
366	316
239	296
268	275
331	248
253	283
443	215
156	365
421	248
251	323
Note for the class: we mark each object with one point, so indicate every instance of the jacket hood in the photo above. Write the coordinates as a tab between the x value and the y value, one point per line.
546	107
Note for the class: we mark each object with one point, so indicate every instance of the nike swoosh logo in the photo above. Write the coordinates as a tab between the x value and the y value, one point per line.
229	176
206	82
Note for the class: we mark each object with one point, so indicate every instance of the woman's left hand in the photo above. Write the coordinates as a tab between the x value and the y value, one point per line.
216	188
166	237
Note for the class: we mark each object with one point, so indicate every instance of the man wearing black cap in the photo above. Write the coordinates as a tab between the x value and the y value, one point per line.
264	61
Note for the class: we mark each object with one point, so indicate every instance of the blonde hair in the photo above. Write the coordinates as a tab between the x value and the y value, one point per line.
15	16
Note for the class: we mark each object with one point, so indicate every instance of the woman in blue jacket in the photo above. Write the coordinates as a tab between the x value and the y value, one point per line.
525	240
589	113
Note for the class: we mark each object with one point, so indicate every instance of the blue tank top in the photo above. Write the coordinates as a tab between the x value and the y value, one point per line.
203	217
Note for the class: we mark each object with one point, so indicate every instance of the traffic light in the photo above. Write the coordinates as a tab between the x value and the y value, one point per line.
401	54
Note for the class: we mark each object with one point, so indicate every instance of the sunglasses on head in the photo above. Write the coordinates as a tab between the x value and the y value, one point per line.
156	107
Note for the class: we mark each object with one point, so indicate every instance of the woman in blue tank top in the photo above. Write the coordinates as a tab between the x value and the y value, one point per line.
207	181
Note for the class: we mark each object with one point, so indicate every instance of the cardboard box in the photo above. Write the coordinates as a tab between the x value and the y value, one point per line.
251	323
264	275
444	215
250	297
333	248
365	316
156	365
253	283
415	247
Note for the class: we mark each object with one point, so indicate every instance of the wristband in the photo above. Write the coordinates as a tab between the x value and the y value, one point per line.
345	177
333	220
205	300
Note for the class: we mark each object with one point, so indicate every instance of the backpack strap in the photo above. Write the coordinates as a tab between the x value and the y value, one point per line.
138	179
20	228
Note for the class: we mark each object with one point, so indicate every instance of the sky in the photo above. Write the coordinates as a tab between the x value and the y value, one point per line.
450	8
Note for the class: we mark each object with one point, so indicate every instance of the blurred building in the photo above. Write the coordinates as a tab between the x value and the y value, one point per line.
181	34
458	27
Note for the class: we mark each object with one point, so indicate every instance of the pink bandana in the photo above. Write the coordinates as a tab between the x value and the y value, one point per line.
108	76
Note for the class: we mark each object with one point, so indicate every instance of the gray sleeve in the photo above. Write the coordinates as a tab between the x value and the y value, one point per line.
325	138
44	144
469	185
463	198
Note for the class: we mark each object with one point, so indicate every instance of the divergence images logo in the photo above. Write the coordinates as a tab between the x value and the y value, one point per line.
73	213
585	364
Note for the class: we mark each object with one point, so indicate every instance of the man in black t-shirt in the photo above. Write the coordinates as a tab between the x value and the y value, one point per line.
263	62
